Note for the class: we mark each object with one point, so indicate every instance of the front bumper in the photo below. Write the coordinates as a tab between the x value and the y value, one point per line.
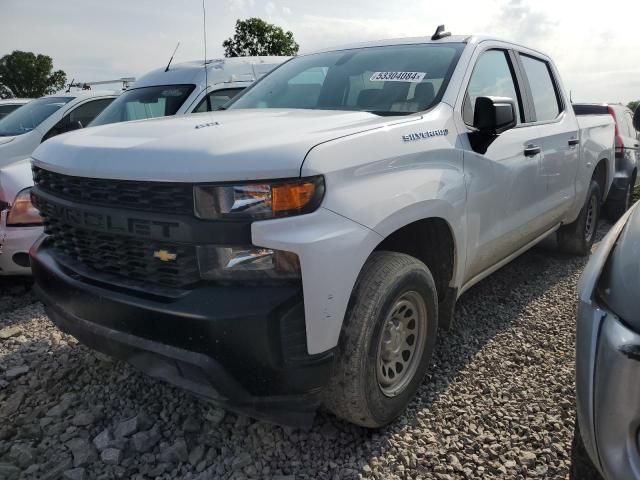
609	401
15	243
243	348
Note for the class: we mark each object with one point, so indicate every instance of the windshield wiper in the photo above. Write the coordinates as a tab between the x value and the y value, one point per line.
388	113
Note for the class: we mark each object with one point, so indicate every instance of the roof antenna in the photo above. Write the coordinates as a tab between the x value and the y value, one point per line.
171	59
204	34
440	33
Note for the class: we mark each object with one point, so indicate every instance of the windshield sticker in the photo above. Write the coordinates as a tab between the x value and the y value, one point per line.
175	92
413	77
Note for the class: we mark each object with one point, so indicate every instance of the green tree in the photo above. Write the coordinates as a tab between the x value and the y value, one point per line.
30	75
633	105
255	37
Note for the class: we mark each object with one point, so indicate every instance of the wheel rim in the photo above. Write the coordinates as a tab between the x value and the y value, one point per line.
590	224
401	343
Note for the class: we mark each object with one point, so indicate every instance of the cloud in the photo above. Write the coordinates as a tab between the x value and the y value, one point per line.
519	20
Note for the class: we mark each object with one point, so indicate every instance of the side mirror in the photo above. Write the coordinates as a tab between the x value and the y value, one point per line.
636	118
494	115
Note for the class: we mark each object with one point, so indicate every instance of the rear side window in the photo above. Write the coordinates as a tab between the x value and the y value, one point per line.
543	90
492	77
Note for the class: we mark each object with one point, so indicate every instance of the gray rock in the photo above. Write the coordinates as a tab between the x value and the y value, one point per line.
55	468
159	469
144	441
240	461
528	458
103	439
175	453
9	332
74	474
131	426
196	455
83	419
215	415
111	456
192	425
59	409
8	471
22	455
82	451
16	372
13	403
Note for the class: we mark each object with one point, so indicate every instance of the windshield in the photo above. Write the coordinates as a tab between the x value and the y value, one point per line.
29	116
390	80
145	102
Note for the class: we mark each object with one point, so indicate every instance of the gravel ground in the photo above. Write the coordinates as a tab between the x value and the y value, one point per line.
498	402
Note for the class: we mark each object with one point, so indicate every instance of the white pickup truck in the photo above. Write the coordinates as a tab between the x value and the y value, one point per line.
308	245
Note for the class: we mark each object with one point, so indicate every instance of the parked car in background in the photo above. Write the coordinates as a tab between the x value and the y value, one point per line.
10	104
186	88
308	244
20	133
627	155
28	126
607	439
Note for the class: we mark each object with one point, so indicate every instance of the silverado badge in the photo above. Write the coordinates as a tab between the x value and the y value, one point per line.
164	255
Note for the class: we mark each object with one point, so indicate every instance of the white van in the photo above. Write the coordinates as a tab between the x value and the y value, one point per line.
185	88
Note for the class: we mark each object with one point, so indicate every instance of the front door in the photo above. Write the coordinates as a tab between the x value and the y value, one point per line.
505	184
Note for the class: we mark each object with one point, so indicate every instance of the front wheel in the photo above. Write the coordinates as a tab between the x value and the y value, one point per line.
387	341
577	237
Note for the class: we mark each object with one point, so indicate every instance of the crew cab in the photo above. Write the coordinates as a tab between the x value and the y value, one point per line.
307	245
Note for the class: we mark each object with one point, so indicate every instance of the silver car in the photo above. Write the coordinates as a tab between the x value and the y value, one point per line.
607	439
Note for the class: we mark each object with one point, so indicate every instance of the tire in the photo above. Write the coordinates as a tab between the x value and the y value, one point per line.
616	208
582	468
577	237
394	299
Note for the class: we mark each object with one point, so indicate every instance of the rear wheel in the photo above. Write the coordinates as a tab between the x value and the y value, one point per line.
616	208
387	341
577	237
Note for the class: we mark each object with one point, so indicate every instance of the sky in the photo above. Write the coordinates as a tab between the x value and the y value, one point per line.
594	44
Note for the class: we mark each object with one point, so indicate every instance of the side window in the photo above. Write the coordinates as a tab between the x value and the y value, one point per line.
217	99
492	77
543	90
78	118
85	113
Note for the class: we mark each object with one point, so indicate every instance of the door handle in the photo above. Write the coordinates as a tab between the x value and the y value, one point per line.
532	151
573	141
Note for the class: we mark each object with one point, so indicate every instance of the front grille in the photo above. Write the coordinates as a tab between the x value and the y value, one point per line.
124	256
160	197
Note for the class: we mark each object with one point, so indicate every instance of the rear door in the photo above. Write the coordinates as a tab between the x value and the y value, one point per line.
560	137
504	182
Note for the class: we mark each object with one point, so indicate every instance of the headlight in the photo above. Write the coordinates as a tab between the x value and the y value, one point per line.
258	201
22	212
247	263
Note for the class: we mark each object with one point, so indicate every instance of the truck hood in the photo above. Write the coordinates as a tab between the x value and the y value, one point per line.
13	178
218	146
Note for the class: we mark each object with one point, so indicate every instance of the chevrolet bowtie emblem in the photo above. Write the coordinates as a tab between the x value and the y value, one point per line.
164	256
